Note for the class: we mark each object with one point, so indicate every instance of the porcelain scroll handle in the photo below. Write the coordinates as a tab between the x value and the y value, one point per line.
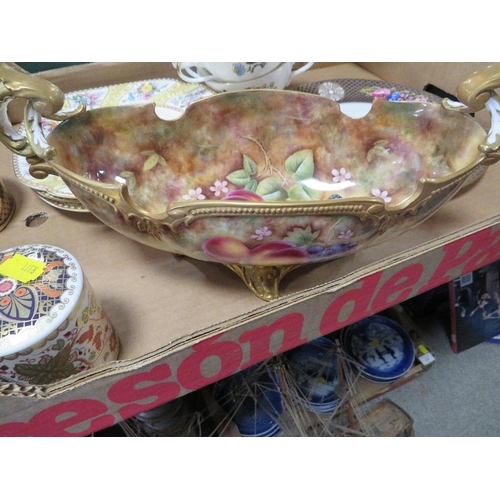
42	99
478	92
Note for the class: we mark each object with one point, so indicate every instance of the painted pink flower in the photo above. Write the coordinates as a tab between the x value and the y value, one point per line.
219	187
7	285
345	235
380	93
261	233
194	194
340	175
382	194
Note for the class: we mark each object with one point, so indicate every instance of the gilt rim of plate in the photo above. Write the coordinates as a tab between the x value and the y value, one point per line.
62	203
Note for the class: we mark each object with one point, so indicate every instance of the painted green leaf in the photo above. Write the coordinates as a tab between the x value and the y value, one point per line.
249	165
300	164
271	190
239	177
251	185
301	237
151	162
58	345
129	177
299	192
148	153
162	161
126	174
379	149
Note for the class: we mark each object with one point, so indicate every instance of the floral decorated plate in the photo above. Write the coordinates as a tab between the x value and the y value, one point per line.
170	95
350	90
68	204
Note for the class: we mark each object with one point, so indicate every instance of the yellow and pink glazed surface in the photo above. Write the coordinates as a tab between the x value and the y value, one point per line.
263	148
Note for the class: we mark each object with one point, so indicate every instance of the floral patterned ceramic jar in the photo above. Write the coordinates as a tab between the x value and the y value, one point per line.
51	324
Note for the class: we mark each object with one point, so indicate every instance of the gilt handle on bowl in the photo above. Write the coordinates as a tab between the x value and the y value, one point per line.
476	93
43	99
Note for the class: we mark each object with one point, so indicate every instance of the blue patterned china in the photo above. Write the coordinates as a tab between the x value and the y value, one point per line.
313	368
253	401
380	347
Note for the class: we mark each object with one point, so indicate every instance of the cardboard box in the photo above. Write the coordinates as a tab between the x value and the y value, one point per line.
474	307
184	324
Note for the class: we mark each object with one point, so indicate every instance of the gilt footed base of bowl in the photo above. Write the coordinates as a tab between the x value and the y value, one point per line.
263	281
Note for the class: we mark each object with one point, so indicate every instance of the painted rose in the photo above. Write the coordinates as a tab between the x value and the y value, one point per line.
380	93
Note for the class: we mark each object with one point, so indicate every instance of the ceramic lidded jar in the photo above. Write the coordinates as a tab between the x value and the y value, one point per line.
51	324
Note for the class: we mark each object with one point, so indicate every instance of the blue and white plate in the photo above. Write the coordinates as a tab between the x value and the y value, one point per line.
313	367
381	348
253	401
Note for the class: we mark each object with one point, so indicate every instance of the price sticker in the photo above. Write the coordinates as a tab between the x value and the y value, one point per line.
22	268
422	349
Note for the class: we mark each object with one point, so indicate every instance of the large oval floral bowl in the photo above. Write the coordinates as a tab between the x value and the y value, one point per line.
264	181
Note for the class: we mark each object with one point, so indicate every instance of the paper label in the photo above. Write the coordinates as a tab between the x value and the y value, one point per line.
427	359
22	268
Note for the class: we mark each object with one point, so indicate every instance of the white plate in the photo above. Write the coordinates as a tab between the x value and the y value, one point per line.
70	205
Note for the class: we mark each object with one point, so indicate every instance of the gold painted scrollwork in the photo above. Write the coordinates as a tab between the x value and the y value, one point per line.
263	281
477	93
43	99
47	99
479	87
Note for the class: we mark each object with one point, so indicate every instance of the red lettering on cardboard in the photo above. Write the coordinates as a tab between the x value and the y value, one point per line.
358	298
59	418
190	374
488	254
397	288
126	390
466	255
260	338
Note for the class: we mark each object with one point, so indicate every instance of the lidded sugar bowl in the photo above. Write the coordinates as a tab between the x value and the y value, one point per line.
52	325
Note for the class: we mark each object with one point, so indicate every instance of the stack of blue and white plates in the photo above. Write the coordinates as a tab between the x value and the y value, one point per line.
252	400
379	348
313	368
